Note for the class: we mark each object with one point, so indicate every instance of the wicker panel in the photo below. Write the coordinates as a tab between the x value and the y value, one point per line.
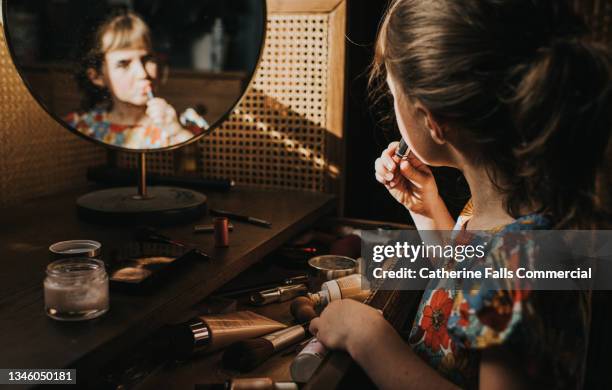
37	156
276	137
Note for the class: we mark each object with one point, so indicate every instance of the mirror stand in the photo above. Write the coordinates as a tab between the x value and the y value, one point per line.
150	205
142	178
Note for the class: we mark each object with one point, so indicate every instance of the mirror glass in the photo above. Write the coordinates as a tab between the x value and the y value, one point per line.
136	74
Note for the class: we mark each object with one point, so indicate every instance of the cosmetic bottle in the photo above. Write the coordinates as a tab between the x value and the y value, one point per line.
212	332
307	361
350	286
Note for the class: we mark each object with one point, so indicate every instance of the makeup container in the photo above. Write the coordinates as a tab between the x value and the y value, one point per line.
75	248
76	289
351	286
212	332
328	267
307	361
221	232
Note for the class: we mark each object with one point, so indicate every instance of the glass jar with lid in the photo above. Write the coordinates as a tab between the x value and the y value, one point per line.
76	289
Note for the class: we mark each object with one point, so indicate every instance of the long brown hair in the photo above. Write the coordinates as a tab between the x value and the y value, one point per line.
524	85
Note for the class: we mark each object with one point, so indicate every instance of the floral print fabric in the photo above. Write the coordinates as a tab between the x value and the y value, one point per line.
545	332
95	124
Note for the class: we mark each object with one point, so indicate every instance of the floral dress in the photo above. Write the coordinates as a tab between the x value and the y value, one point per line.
95	124
546	332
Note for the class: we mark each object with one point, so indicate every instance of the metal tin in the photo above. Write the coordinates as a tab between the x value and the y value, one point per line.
328	267
76	248
221	232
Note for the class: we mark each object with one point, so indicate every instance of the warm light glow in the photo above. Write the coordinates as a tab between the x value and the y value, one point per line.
304	153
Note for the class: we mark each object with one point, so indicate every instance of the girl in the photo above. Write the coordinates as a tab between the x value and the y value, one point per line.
514	95
118	76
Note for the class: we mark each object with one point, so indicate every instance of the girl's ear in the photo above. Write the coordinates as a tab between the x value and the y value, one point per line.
95	77
435	130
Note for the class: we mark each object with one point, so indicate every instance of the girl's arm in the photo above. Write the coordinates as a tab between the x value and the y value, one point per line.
389	361
391	364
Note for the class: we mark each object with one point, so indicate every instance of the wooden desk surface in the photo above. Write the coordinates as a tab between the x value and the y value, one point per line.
32	340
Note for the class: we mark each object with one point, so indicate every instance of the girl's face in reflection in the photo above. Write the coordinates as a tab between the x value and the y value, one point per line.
129	74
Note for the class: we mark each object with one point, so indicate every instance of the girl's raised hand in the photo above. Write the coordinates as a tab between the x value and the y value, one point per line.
161	113
408	180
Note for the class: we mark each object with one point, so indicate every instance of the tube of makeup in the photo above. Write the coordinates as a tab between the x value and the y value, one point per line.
346	287
212	332
307	361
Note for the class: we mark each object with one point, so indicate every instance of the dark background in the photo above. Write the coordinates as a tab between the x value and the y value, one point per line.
54	29
368	134
370	129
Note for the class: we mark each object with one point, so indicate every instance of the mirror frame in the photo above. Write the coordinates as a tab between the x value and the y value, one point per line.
5	22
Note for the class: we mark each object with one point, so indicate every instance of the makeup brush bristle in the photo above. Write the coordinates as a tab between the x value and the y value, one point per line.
303	309
248	354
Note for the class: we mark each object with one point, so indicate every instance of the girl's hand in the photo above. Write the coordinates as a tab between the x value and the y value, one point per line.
347	324
162	114
408	180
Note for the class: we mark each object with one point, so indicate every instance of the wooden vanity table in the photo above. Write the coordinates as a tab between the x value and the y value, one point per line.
32	340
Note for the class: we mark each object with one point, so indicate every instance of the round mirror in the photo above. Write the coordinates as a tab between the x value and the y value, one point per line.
136	75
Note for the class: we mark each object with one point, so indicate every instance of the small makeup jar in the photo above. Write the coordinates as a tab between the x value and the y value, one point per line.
76	289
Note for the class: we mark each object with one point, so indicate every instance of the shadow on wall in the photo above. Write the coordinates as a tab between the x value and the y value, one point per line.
268	143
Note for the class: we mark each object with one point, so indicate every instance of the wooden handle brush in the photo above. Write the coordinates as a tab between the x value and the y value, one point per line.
248	354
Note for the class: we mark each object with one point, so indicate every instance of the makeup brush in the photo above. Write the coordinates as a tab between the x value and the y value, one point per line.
147	233
248	354
150	95
303	309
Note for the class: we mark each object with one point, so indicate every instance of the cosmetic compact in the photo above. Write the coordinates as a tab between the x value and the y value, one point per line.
76	289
